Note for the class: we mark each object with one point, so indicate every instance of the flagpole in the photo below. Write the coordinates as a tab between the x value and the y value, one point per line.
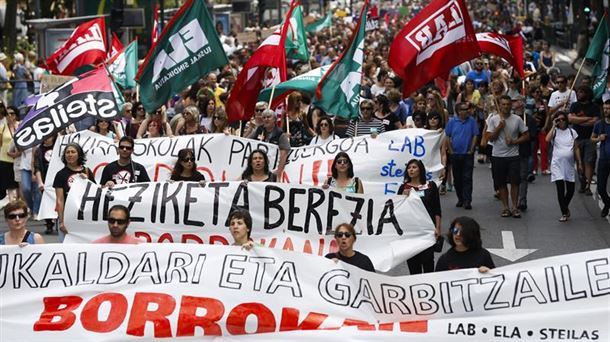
574	83
137	92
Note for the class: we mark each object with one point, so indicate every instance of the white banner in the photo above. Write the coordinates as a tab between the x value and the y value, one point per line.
154	291
390	229
379	163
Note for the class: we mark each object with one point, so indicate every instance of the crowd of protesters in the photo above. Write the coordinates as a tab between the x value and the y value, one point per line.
483	107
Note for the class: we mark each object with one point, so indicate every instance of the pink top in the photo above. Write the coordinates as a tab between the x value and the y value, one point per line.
127	239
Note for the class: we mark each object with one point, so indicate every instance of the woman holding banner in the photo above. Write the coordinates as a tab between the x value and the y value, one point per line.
415	181
466	248
345	236
343	175
74	160
258	168
186	167
241	228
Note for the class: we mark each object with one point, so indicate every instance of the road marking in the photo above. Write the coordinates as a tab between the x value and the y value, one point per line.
510	251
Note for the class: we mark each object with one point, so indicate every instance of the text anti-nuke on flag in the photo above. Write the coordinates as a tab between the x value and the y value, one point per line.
187	49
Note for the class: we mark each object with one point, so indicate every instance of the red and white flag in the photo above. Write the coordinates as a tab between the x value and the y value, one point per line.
266	68
86	45
116	46
438	38
508	47
154	34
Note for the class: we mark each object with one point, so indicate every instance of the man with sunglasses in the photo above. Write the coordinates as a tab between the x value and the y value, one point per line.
118	221
124	170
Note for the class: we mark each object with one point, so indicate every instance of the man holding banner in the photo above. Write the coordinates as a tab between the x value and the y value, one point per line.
124	170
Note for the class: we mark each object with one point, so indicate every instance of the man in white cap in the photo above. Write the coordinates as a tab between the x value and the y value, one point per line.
3	79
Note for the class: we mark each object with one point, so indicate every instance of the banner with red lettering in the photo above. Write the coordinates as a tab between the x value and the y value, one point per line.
391	229
379	163
86	46
508	47
158	291
438	38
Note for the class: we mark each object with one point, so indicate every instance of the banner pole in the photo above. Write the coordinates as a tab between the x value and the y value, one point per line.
137	92
573	83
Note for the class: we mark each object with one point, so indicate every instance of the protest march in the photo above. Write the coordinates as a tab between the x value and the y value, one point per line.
286	171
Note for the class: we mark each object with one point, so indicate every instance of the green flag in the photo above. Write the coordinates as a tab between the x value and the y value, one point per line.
599	52
304	83
187	49
123	66
339	89
296	39
320	24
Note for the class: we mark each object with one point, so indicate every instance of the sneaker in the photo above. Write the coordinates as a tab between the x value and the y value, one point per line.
443	190
546	172
531	178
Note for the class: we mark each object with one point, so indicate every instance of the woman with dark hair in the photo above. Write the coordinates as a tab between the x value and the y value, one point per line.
16	215
139	115
207	108
343	175
325	132
74	160
258	168
105	128
185	168
415	181
345	236
240	226
466	248
435	122
383	113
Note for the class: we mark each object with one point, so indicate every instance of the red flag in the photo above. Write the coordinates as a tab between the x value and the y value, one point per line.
438	38
154	34
115	46
265	68
86	45
508	47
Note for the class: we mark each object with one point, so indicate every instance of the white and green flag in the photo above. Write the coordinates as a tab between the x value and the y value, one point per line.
123	66
338	92
320	24
598	52
304	83
187	49
296	39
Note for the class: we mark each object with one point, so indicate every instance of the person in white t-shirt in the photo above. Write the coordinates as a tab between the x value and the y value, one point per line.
562	98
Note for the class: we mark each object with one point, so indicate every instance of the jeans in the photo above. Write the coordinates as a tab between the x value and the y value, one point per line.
31	193
603	171
462	166
565	192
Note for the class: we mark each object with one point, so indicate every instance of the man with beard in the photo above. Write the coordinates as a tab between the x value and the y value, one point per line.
118	221
124	170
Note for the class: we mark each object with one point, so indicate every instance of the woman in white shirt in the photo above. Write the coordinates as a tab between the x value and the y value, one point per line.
325	132
561	137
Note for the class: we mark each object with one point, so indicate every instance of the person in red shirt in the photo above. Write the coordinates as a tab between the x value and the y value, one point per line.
118	221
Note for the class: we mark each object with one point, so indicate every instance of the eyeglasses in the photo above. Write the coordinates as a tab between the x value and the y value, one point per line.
342	161
259	110
127	148
366	108
112	220
323	124
456	231
128	110
343	234
14	216
188	159
216	117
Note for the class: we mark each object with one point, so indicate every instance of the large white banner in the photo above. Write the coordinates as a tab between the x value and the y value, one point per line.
390	229
155	291
379	163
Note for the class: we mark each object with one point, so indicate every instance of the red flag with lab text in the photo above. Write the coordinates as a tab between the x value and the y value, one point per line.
116	46
266	68
438	38
508	47
86	45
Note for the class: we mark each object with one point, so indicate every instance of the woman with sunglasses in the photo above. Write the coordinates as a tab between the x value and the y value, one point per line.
16	216
564	153
466	248
105	128
161	129
139	115
415	181
258	168
367	123
324	132
189	124
74	160
220	122
186	167
343	175
345	236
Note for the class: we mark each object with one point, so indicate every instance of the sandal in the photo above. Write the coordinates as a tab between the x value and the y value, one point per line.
443	190
563	218
516	213
505	213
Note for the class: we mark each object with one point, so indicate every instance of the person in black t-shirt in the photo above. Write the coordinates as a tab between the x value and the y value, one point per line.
186	167
345	236
74	161
466	248
124	170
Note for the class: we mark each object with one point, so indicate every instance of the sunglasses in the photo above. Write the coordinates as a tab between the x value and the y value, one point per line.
14	216
128	110
216	117
324	124
366	108
343	234
259	110
127	148
455	231
342	161
188	159
140	108
112	220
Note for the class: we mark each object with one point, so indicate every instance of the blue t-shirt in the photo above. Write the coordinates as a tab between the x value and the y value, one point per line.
601	127
461	133
477	77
